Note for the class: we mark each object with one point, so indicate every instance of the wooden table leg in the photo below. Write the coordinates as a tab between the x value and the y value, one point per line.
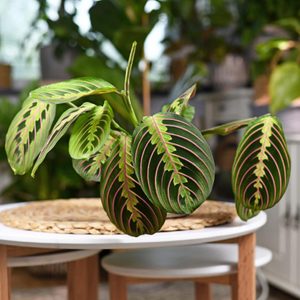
83	279
245	287
117	287
202	291
4	275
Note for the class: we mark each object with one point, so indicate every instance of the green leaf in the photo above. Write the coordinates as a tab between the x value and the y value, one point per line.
266	50
90	132
27	134
173	162
284	86
261	168
245	213
180	105
122	197
71	90
227	128
59	129
85	65
90	169
292	24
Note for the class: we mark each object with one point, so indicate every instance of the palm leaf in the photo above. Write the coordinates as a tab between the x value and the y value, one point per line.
27	134
261	169
71	90
122	197
90	132
59	129
173	162
91	168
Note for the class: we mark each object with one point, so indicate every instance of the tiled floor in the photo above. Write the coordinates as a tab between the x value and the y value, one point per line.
28	288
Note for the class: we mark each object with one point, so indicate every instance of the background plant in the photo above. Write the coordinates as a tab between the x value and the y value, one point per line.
279	59
163	164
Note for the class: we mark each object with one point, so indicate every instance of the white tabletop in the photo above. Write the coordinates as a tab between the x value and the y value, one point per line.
17	237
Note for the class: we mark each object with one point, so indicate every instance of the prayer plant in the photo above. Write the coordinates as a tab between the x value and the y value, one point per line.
164	165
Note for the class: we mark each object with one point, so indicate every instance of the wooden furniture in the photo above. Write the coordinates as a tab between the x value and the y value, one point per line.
203	264
282	232
82	268
242	232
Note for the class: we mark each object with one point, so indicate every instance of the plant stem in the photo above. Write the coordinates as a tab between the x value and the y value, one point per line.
227	128
146	89
145	75
127	85
72	104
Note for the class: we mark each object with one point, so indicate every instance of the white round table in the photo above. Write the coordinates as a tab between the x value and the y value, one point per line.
238	231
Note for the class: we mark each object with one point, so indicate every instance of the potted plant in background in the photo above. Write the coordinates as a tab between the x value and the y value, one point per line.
279	58
162	164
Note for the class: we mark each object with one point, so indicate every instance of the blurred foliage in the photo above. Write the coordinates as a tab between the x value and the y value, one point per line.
279	60
198	34
122	22
63	31
254	15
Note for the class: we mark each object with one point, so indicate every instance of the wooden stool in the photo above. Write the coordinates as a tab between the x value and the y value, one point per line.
204	264
82	268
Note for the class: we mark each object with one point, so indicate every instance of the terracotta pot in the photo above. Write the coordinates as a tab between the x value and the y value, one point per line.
5	76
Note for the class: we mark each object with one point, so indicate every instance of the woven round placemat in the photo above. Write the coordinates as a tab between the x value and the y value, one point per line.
86	216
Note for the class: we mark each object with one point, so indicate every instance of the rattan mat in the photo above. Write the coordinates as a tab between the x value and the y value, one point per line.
86	216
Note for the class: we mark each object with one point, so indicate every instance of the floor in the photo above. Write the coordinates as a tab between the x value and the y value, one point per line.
29	287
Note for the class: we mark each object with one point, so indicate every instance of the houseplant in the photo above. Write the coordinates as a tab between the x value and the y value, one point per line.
279	58
162	165
52	181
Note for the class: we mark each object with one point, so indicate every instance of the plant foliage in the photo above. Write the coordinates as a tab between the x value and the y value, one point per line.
261	169
163	165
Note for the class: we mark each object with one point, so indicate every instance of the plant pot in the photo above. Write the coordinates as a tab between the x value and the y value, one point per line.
231	73
5	76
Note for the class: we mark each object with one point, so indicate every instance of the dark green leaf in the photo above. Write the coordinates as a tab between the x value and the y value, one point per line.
122	197
71	90
261	168
173	162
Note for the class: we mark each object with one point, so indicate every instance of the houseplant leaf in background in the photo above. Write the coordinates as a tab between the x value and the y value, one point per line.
261	169
284	86
127	19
